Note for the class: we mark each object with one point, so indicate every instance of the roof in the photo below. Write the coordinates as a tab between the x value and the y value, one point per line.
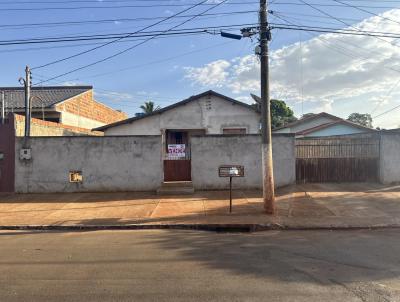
327	125
310	118
173	106
42	97
395	130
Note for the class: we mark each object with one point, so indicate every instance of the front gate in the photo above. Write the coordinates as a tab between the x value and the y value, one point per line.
7	154
177	164
337	159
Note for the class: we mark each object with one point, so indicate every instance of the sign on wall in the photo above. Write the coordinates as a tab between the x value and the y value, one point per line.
176	150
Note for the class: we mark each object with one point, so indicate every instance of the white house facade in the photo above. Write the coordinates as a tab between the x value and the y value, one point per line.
208	113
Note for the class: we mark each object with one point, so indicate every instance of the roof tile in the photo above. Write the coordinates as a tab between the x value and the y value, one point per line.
44	97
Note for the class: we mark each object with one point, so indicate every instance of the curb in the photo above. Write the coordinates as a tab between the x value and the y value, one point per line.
231	228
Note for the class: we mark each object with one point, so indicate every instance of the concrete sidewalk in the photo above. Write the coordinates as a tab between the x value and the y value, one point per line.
309	206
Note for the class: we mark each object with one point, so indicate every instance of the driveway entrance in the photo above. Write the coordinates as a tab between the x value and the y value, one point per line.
337	159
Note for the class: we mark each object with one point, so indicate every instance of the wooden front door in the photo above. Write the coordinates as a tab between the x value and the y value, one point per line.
177	167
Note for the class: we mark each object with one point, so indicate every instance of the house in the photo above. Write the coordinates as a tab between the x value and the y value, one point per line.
64	107
207	113
322	124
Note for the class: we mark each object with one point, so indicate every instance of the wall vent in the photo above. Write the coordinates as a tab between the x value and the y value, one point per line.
75	176
208	104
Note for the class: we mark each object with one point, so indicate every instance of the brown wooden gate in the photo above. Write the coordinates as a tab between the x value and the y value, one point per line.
337	159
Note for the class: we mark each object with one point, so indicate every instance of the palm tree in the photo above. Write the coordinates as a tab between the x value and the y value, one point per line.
149	107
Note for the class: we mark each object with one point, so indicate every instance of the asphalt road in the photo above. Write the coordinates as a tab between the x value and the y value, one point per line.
200	266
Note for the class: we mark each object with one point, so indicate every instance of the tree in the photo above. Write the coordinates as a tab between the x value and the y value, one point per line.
281	114
305	115
149	107
363	119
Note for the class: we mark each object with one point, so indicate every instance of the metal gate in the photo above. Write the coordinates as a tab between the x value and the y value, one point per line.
337	159
7	154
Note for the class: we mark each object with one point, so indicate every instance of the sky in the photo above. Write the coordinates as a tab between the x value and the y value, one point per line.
310	71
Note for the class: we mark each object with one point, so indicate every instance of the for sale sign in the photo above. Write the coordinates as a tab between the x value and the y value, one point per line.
176	151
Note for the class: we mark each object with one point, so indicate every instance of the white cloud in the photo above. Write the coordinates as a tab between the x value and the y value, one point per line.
327	72
114	96
212	74
71	83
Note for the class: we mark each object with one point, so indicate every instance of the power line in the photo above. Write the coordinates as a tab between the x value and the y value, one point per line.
134	46
386	112
73	23
366	11
151	62
127	1
335	31
94	38
115	6
123	34
390	92
120	38
199	30
386	96
88	44
85	1
372	1
345	23
332	5
341	49
347	43
313	16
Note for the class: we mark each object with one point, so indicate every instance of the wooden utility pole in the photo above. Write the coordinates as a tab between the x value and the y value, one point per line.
268	175
27	83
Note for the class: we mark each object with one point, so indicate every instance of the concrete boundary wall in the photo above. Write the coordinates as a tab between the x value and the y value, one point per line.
47	128
107	164
209	152
390	158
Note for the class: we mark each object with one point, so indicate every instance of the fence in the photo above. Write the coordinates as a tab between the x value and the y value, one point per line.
337	159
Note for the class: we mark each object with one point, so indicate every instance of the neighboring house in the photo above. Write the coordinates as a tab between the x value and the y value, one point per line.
203	114
322	124
67	105
395	130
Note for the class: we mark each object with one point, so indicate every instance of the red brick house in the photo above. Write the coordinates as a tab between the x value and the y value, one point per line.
70	106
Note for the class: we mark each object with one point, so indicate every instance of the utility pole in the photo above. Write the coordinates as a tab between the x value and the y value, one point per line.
27	83
3	105
266	134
